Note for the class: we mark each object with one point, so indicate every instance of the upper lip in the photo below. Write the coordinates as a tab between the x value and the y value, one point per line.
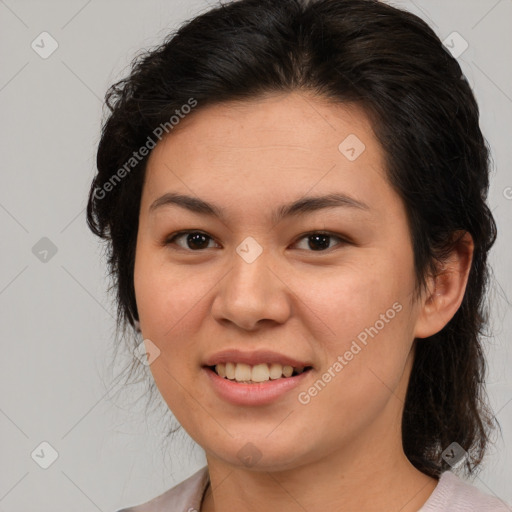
253	358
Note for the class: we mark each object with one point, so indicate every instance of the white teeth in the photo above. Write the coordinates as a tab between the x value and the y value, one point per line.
260	373
230	371
221	369
242	372
287	371
276	371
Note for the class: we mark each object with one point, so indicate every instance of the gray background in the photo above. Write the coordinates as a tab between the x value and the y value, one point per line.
57	320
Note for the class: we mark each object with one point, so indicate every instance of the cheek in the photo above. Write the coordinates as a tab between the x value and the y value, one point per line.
348	299
362	319
173	303
163	294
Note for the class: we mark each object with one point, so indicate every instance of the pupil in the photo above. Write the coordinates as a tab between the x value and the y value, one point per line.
194	240
320	245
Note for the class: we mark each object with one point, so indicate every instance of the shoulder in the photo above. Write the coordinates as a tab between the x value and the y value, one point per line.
184	497
454	494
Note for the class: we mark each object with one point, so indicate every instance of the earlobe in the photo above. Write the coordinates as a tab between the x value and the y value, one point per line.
446	289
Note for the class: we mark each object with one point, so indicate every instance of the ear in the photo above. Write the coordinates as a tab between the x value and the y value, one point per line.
446	289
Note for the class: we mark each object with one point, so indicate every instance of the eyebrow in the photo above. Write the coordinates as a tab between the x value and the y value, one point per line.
299	207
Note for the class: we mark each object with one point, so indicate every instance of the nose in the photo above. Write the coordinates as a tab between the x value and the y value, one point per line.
252	294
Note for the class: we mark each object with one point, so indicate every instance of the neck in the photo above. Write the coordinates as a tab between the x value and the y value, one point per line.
371	482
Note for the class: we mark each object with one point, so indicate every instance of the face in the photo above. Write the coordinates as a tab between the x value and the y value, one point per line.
325	285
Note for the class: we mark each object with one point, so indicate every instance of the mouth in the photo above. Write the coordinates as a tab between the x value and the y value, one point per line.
256	374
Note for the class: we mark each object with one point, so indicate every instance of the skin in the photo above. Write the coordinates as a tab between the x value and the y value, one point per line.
342	451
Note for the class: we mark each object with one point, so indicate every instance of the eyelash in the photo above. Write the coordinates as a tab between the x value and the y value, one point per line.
170	240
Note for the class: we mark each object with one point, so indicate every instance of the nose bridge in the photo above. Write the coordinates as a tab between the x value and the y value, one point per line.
250	277
251	292
249	250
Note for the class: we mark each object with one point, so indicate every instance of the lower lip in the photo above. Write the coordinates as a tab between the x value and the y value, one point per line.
254	394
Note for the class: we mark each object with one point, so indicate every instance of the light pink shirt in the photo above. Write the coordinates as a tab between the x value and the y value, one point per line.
450	495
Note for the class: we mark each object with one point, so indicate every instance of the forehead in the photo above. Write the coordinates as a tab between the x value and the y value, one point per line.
277	147
295	121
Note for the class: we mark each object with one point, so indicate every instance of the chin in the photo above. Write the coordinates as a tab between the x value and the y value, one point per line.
259	453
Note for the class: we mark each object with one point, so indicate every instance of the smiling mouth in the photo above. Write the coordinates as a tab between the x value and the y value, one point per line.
256	374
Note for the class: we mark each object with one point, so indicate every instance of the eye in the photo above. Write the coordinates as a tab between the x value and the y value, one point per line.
194	240
319	240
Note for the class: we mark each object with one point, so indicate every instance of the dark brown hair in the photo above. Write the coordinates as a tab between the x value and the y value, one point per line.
424	114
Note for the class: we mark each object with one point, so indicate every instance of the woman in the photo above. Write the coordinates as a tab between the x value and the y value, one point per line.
293	194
